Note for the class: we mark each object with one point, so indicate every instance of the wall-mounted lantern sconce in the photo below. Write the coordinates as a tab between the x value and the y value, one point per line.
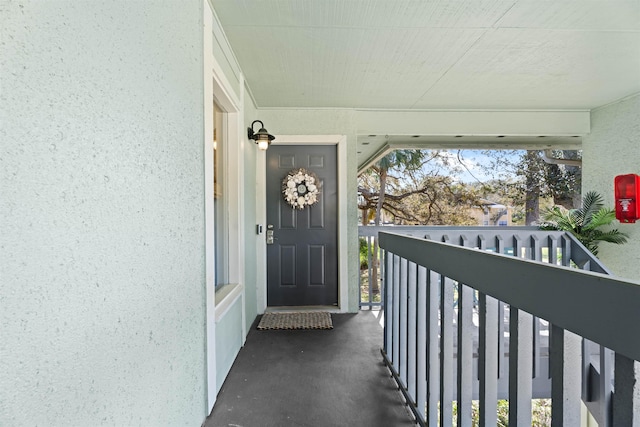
262	137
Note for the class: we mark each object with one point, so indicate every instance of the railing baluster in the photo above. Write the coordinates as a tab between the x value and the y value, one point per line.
389	303
381	283
422	338
517	246
395	352
503	363
411	329
536	249
502	341
536	255
626	400
433	361
370	265
520	367
482	242
564	355
465	354
537	347
499	245
553	250
488	360
446	351
402	345
385	309
587	393
566	251
605	387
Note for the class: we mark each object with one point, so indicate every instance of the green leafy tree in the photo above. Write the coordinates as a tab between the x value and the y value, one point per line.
406	159
523	179
531	169
564	182
412	187
585	223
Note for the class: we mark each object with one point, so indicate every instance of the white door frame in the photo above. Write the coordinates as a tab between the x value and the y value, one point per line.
340	141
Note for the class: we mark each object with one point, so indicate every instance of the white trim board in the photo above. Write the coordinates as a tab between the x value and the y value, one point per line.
225	297
343	262
217	87
208	93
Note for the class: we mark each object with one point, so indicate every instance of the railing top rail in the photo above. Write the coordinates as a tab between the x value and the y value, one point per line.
596	306
578	254
455	227
373	229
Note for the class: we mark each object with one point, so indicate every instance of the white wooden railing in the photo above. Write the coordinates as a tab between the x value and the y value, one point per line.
518	241
439	355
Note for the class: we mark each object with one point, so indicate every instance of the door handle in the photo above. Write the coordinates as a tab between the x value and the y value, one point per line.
270	237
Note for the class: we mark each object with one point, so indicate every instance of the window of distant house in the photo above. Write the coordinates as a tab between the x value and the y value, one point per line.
220	197
502	223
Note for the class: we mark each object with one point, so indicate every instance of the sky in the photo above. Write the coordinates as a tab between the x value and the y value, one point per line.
475	163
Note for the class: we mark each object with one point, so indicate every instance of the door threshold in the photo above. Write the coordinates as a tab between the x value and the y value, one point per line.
305	308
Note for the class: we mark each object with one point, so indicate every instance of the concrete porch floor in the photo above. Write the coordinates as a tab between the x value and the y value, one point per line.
312	379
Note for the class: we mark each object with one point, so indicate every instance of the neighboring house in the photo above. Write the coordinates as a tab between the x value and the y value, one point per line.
131	270
490	213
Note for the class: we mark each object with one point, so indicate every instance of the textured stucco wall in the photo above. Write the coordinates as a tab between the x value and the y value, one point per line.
328	122
613	148
101	199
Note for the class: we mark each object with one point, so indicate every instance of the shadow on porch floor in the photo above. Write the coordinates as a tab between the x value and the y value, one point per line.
312	379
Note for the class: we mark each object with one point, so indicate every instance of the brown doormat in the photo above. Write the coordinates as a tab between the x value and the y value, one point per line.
294	320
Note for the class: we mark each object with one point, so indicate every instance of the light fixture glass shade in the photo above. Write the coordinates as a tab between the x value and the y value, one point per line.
262	137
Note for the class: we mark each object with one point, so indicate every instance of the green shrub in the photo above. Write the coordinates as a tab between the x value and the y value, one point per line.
540	413
364	260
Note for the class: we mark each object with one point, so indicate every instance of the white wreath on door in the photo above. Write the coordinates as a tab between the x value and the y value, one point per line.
300	188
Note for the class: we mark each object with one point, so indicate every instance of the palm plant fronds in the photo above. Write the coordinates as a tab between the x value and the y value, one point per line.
602	217
591	203
612	236
585	222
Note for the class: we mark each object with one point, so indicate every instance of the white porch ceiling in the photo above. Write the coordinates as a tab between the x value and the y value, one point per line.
435	55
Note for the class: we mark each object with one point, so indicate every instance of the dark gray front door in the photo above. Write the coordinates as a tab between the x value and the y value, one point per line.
302	261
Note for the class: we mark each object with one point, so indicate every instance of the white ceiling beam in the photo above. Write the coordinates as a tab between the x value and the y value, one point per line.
477	123
377	155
